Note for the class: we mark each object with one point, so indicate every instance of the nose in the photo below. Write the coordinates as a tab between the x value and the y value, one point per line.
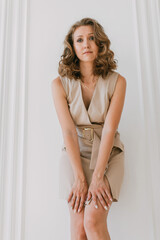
86	43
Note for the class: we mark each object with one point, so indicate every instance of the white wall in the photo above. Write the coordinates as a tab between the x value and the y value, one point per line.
129	25
46	216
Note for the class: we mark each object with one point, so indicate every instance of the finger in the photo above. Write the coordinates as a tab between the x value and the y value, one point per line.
76	204
101	199
106	190
70	196
89	196
109	201
94	197
87	202
106	199
81	205
88	199
108	194
73	201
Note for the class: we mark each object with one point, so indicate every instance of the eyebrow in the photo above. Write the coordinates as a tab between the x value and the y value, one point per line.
82	35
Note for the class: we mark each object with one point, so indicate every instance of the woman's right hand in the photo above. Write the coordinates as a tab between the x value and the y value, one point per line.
78	194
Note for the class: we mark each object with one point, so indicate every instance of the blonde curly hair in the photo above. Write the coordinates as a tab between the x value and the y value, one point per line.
104	62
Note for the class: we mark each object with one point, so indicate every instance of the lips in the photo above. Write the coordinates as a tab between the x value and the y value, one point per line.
87	52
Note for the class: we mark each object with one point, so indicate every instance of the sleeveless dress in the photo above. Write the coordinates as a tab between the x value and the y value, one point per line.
89	125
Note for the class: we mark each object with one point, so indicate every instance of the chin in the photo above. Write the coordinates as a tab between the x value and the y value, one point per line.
89	59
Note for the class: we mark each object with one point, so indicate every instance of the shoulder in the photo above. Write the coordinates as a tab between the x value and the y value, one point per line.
120	86
121	81
121	78
118	78
116	83
57	85
56	81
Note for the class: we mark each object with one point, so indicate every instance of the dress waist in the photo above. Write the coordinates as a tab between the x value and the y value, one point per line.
89	138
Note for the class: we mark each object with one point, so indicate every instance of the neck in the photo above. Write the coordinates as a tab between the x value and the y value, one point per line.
86	69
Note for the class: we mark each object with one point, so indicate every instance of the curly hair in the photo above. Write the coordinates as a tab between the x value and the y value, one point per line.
104	62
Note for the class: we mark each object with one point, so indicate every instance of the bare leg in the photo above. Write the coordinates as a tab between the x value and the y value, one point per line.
95	222
77	225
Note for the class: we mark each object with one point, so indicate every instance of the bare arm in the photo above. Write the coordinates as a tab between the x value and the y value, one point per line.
68	127
110	126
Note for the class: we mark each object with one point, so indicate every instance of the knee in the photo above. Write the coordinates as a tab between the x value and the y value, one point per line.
90	222
79	231
81	235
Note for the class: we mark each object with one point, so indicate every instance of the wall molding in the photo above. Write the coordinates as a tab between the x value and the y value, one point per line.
147	33
13	87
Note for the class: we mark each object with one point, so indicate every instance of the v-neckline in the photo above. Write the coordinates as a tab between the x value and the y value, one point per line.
87	110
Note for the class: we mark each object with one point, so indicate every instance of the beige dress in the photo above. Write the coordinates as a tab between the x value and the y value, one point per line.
89	124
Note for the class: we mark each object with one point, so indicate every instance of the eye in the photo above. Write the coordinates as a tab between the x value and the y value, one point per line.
92	37
79	39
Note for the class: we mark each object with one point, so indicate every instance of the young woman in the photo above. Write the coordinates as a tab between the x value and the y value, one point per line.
89	97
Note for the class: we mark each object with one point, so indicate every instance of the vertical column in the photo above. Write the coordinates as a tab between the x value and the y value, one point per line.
146	16
13	93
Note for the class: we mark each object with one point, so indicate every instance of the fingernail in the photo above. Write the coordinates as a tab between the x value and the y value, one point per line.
78	210
74	210
71	207
105	207
96	206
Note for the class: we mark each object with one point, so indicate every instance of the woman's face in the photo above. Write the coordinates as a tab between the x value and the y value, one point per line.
84	44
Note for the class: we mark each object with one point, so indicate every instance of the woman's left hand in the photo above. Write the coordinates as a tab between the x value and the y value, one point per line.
99	188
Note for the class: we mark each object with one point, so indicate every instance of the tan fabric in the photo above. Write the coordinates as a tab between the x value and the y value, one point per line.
89	139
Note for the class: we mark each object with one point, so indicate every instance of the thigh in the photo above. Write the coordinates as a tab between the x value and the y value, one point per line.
99	214
76	218
96	215
77	224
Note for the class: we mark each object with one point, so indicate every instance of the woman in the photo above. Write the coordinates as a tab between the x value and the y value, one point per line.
89	97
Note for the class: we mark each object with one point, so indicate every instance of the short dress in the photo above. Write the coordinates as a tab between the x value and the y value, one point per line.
89	125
